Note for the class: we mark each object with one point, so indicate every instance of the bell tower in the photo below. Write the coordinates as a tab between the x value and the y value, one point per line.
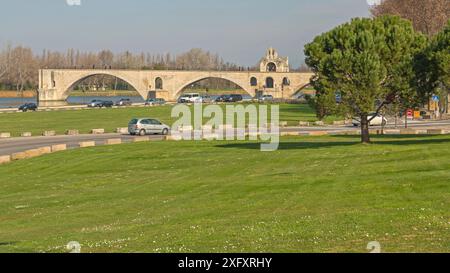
272	62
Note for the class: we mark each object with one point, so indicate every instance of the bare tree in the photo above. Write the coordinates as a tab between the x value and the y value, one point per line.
19	65
427	16
5	60
23	68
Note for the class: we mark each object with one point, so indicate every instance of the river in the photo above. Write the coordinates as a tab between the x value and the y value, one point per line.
16	102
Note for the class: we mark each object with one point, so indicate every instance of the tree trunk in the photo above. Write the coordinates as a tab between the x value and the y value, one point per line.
365	136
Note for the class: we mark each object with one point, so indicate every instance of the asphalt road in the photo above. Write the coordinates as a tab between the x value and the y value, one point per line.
14	145
20	144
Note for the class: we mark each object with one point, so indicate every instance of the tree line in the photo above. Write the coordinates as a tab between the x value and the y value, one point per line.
19	65
427	16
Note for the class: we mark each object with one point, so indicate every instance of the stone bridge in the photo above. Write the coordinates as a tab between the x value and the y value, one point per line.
55	85
273	78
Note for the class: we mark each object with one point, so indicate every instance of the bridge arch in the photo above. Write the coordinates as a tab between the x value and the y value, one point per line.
300	89
190	82
68	88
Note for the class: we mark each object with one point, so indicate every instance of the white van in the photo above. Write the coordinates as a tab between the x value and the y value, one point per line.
190	98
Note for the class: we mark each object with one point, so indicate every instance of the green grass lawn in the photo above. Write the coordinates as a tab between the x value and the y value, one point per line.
110	119
323	194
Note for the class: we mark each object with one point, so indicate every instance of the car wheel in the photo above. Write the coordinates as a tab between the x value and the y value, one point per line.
142	132
165	132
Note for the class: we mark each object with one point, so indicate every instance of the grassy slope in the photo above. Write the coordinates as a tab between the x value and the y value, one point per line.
110	119
313	195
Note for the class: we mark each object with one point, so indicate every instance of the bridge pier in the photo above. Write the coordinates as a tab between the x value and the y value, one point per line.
50	97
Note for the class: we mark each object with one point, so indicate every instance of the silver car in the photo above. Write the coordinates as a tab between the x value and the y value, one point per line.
147	126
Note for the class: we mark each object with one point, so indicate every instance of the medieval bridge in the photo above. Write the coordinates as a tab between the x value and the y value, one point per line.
273	78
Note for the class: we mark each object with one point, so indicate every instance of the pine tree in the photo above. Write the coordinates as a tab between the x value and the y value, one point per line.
369	62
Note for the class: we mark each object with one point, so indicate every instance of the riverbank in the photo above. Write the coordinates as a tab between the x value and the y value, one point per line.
17	94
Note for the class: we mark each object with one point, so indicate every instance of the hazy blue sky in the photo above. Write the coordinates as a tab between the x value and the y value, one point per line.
239	30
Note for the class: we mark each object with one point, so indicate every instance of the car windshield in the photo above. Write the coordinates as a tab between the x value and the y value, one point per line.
134	121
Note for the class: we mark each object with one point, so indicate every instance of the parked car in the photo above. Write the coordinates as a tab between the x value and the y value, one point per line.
28	107
247	98
222	98
155	102
190	98
100	104
265	98
124	102
145	126
229	98
379	120
235	98
206	99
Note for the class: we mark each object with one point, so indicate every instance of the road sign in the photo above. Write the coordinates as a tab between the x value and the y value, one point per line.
435	98
410	114
416	114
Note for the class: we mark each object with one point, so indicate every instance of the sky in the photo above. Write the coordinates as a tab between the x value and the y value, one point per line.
238	30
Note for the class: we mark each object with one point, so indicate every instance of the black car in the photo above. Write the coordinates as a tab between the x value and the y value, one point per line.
28	107
108	103
235	98
223	98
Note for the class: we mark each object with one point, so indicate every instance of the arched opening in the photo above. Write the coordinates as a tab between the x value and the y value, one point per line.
213	88
253	81
269	82
286	81
303	91
102	87
159	84
271	67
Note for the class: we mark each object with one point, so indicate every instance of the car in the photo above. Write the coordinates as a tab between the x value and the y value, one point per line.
155	102
190	98
235	98
28	107
222	98
108	103
229	98
100	104
95	103
124	102
206	99
378	120
264	98
146	126
247	98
